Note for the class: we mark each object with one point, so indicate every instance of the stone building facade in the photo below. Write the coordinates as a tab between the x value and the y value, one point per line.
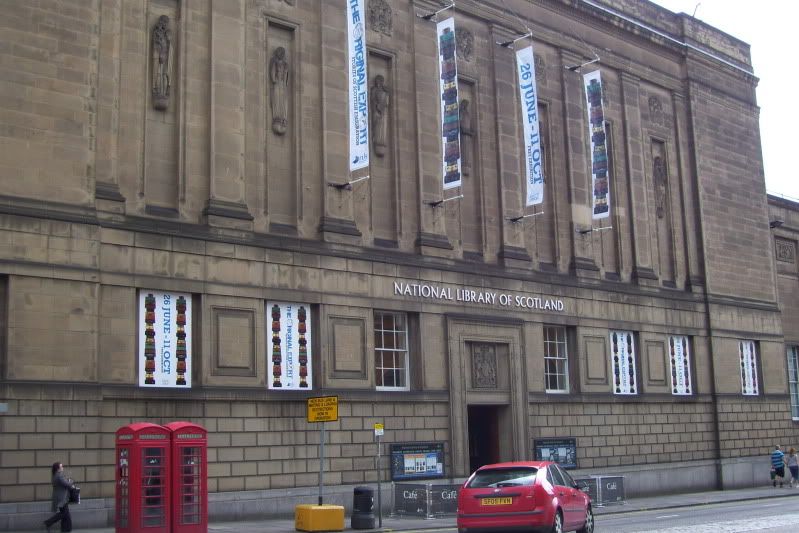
199	148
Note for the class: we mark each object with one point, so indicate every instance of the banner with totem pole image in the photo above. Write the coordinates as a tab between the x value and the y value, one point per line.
164	339
450	116
600	175
289	346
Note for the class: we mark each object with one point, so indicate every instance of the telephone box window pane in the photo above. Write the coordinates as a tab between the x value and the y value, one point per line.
190	485
154	512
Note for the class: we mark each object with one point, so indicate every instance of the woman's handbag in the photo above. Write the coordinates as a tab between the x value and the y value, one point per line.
74	494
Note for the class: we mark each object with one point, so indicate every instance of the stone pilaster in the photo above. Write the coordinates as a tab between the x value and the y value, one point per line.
431	239
227	206
694	275
106	187
511	164
338	222
639	210
574	113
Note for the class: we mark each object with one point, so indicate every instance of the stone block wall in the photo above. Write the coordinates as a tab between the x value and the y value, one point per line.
611	434
253	444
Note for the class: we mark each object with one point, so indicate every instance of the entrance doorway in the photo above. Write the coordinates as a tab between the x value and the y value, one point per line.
484	444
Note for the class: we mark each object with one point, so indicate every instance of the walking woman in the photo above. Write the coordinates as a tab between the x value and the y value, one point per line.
793	465
61	486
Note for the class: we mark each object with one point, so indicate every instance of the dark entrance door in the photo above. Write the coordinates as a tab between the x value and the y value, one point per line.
483	435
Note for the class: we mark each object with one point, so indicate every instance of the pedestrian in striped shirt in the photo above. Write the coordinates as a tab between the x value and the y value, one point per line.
777	465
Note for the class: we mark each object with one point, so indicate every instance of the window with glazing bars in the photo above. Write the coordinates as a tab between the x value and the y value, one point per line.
793	380
391	350
556	359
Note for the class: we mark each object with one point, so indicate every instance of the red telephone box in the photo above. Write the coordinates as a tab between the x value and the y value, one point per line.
142	467
189	483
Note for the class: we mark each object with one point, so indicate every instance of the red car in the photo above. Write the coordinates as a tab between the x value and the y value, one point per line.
529	495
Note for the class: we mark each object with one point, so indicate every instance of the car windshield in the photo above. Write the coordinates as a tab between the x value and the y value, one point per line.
503	477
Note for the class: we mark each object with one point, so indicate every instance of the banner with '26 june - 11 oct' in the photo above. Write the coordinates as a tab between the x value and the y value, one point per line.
164	339
534	176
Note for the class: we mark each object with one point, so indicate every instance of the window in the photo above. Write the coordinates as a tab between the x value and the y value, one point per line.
793	380
554	477
556	359
567	479
747	354
391	351
622	353
504	477
680	362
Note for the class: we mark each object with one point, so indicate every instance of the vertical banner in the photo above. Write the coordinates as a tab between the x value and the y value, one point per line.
358	82
525	64
748	356
290	346
599	153
450	120
164	339
680	359
622	351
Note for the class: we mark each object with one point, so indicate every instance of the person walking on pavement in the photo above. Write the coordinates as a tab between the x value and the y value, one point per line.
778	465
61	486
793	465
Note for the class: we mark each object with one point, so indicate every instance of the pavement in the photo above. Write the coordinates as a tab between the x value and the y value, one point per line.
409	524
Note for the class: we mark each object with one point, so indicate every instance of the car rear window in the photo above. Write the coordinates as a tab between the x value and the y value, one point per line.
503	477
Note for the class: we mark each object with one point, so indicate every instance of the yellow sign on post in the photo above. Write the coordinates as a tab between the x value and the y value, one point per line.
323	409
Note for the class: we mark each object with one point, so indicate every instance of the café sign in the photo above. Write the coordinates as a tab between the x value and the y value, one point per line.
445	293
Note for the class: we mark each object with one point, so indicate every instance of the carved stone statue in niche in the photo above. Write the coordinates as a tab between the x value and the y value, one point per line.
655	110
279	77
161	52
380	17
660	179
465	117
464	40
379	99
540	69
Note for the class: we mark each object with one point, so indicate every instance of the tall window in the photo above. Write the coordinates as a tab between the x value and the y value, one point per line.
556	359
391	351
793	380
747	355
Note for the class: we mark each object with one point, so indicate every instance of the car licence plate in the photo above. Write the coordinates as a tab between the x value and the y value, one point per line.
496	501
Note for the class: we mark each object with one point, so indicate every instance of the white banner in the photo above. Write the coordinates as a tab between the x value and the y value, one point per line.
600	176
164	339
289	346
358	82
748	357
450	119
525	64
622	352
680	359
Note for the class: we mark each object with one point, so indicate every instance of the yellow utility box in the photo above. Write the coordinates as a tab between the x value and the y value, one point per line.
309	517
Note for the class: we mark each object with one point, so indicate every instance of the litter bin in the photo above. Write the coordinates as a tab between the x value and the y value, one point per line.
363	506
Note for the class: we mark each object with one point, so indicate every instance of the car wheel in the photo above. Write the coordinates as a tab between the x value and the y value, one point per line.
557	525
588	527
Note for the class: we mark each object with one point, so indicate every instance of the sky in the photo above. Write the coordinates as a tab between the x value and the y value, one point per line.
769	26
